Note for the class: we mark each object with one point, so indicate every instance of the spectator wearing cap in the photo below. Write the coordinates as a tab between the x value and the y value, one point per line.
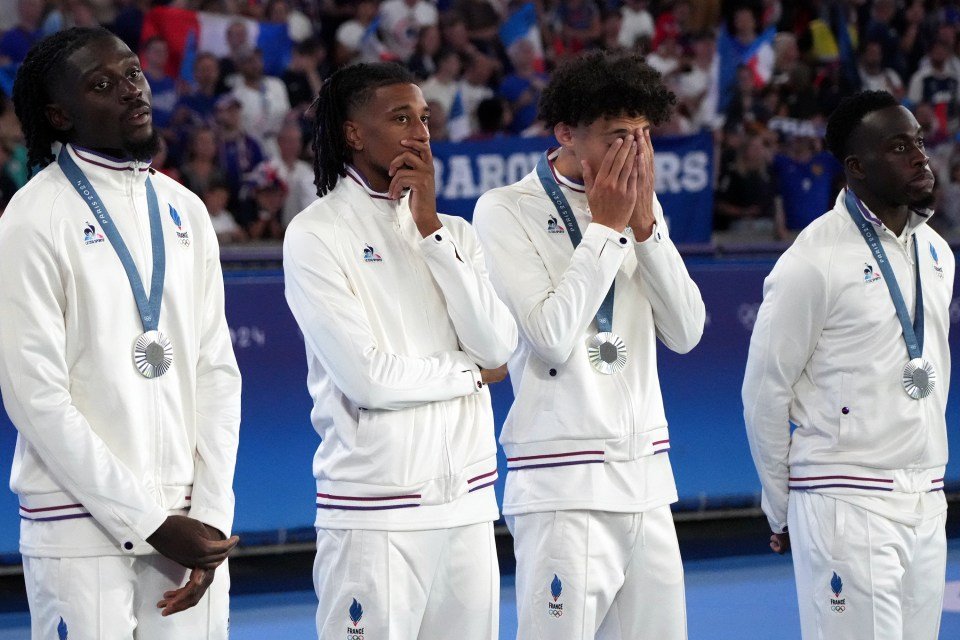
15	43
268	191
522	88
264	100
400	24
297	174
238	153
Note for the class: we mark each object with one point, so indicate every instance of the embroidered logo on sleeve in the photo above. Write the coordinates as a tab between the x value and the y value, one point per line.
869	275
90	234
370	254
182	236
555	608
936	261
837	604
355	632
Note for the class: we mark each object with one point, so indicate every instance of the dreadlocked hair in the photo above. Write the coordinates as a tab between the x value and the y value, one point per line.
849	114
31	89
598	85
341	94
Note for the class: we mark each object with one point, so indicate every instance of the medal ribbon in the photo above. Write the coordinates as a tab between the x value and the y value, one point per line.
605	312
149	308
912	333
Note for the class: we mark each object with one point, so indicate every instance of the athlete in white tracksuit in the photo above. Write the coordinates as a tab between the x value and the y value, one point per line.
107	458
590	482
397	326
859	482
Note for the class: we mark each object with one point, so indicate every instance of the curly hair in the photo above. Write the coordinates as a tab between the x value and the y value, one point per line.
42	67
849	114
345	91
603	85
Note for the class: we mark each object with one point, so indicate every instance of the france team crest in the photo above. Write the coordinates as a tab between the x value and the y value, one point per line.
182	236
62	630
354	630
837	604
936	261
555	608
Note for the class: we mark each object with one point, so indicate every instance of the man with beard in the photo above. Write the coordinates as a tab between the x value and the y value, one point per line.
850	346
115	361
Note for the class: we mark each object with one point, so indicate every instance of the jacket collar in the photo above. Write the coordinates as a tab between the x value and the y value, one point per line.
917	217
379	201
561	179
106	172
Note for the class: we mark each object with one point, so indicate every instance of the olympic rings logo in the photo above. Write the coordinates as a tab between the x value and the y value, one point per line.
556	613
354	637
839	608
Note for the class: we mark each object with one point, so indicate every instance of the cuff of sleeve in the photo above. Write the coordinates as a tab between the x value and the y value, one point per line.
652	243
606	233
440	244
142	530
476	382
216	518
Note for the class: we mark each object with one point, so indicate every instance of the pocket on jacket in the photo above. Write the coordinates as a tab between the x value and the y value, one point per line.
399	448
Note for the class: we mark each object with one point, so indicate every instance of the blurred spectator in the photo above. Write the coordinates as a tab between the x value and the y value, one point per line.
128	22
746	106
437	124
807	180
786	58
206	87
238	45
453	32
936	83
400	24
161	162
442	86
201	168
739	44
473	89
154	56
881	29
15	43
238	153
696	84
268	192
522	88
423	62
673	21
576	25
482	19
215	197
832	87
297	174
934	130
304	77
8	186
637	24
665	58
745	191
610	26
263	98
874	76
948	199
281	12
357	38
493	116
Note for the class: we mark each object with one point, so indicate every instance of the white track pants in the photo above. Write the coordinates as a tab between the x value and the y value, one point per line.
115	598
889	576
595	574
440	584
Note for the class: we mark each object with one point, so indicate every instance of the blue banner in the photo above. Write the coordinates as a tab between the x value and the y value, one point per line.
684	170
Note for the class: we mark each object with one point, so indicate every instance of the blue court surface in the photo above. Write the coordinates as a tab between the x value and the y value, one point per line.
741	598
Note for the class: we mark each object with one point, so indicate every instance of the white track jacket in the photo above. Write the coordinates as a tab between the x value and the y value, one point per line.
396	328
576	438
103	454
827	355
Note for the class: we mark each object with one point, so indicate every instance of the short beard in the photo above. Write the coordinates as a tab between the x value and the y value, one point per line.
143	150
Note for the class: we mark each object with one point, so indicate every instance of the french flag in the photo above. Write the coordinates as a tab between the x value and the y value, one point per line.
760	58
523	24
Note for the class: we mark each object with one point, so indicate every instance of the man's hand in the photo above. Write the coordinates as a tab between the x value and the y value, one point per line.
189	594
188	542
643	218
413	169
489	376
780	542
612	189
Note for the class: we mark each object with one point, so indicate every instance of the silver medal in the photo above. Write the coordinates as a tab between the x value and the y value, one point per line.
607	353
919	378
152	354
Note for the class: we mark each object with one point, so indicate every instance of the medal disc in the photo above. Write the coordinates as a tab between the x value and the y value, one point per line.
607	353
152	354
919	378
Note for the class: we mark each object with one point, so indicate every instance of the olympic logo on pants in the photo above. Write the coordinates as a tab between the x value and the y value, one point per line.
556	613
354	637
839	608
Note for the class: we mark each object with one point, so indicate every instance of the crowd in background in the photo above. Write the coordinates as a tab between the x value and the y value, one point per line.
233	81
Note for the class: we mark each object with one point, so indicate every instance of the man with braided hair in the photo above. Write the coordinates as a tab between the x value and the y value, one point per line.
590	483
403	333
116	364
